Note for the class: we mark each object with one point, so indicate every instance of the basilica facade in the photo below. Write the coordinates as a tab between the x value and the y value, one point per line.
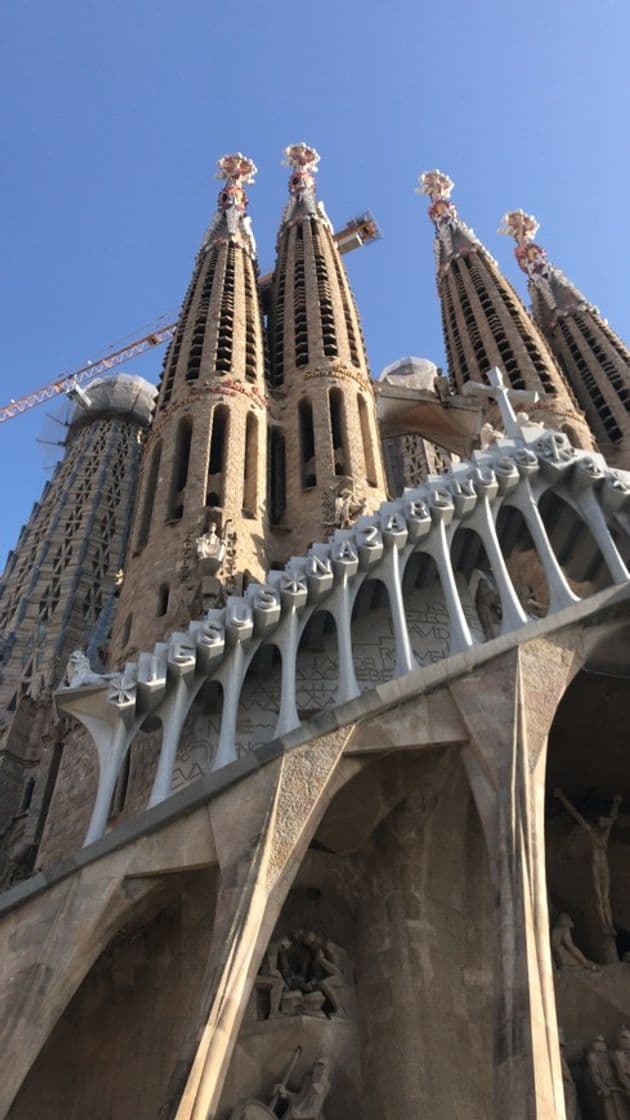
314	791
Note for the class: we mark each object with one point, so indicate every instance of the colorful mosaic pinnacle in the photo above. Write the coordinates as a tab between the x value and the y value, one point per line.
303	160
438	186
235	170
523	228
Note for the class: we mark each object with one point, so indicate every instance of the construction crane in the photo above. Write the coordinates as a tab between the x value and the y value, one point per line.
358	231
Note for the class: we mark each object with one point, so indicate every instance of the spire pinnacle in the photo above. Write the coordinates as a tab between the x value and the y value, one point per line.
235	171
303	161
523	227
438	186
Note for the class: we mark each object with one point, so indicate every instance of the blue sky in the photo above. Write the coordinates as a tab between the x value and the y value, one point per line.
115	113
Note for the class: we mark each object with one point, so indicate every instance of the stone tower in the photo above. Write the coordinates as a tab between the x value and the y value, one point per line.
484	321
594	360
59	587
204	467
325	444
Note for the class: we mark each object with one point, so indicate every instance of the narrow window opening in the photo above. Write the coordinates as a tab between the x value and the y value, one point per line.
214	490
162	600
277	476
336	406
368	445
250	474
307	444
181	462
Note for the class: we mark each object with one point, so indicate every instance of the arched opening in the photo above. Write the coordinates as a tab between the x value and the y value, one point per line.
149	496
476	584
161	606
216	462
307	444
277	497
373	644
368	442
337	431
259	701
250	470
399	851
317	665
179	476
522	561
129	1005
425	609
589	893
577	553
199	737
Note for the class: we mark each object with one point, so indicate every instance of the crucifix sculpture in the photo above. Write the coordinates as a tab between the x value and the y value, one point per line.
504	396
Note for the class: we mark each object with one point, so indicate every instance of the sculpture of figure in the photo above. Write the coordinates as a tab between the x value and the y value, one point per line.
211	549
79	672
327	972
603	1079
621	1060
308	1102
275	974
599	835
488	435
568	1084
488	606
528	600
347	508
565	952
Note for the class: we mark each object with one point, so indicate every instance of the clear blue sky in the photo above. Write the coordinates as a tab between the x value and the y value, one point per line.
115	114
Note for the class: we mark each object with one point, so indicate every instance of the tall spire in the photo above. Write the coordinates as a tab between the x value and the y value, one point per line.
326	438
204	470
595	361
485	323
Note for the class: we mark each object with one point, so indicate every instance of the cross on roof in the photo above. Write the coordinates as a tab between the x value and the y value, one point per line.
504	396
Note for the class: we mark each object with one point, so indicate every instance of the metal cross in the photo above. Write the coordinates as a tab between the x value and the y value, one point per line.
499	391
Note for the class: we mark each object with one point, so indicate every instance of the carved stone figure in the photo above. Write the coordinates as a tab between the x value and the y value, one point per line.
275	974
308	1102
488	436
528	600
79	672
604	1082
621	1060
599	835
306	974
347	508
565	952
568	1084
210	550
488	606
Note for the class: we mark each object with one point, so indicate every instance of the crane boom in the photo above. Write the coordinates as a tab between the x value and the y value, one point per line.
357	231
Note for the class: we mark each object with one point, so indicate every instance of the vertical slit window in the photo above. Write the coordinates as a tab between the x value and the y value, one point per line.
149	496
277	334
250	474
226	316
307	444
299	301
277	476
368	444
216	464
327	317
336	408
251	315
179	476
162	600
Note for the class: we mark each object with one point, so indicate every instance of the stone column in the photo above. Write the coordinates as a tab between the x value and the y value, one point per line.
289	800
508	707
